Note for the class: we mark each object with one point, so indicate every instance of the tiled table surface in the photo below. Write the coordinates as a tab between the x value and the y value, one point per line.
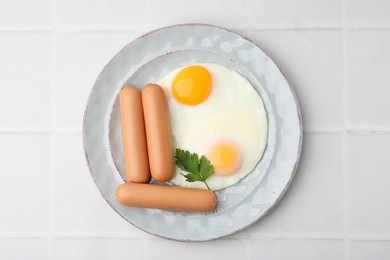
337	56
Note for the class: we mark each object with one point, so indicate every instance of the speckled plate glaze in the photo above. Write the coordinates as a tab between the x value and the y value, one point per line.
146	60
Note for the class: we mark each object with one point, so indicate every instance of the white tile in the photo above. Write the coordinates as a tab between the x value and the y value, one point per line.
227	13
98	249
368	184
23	249
296	12
296	249
25	12
218	249
25	80
312	62
80	59
24	189
102	12
78	205
314	202
364	12
369	78
363	250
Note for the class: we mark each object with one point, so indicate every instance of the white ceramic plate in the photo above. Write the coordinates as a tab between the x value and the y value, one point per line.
146	60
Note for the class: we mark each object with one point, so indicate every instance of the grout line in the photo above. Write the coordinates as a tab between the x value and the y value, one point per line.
91	29
150	26
323	130
369	132
28	29
296	237
50	252
31	235
67	131
146	238
344	45
336	130
366	130
82	235
383	238
256	27
144	28
38	130
25	131
71	235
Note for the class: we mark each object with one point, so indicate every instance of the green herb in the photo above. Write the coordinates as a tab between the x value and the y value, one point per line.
198	169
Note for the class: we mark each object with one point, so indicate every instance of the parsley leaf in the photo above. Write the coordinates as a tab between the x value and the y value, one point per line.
198	170
205	168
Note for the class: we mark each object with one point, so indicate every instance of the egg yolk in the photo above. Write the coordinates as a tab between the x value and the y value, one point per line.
225	157
192	85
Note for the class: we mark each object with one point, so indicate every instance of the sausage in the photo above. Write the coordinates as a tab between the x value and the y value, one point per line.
158	133
133	134
166	197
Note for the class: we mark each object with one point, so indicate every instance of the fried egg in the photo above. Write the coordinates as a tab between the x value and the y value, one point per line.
216	112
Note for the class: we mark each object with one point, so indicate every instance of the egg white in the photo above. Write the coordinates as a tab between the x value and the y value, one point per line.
233	111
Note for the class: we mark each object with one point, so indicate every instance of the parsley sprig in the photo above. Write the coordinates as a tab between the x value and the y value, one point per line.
198	169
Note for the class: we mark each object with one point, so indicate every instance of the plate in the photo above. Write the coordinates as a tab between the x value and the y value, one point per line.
146	60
